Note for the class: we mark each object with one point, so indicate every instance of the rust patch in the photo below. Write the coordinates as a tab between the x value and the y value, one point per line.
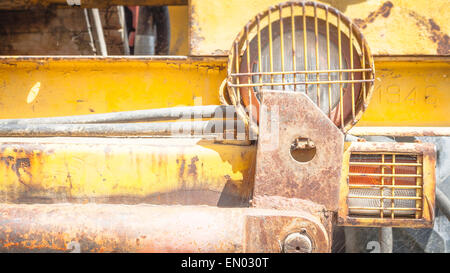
434	33
384	10
192	168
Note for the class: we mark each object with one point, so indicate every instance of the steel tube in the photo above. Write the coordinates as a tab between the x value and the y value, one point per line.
120	228
443	203
189	128
173	113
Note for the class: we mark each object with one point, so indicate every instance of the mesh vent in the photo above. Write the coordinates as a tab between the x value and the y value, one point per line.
385	185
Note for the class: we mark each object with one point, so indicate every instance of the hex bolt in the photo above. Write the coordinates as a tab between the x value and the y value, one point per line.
297	242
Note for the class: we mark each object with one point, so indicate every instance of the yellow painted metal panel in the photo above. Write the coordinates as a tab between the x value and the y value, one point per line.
44	87
394	27
121	169
179	30
410	93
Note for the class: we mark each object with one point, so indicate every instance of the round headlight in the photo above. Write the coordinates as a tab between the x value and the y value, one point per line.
302	47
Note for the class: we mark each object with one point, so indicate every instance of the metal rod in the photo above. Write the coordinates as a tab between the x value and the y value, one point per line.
173	113
303	72
89	29
386	239
293	83
294	66
184	128
400	131
443	203
316	35
305	46
99	29
281	44
123	25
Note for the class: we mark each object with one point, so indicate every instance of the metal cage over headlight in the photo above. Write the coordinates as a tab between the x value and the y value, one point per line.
302	47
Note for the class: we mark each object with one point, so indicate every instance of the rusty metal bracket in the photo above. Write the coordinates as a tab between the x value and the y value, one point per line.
286	117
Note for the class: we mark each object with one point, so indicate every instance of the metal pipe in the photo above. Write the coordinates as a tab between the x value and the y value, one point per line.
443	203
99	29
123	25
386	241
189	128
173	113
400	131
89	29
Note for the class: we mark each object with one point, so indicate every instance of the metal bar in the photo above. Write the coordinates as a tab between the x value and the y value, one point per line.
316	35
124	33
443	203
328	61
260	70
419	183
305	46
375	208
393	184
189	128
384	175
281	44
237	60
384	197
293	83
400	131
270	44
357	186
384	164
89	29
303	72
382	189
294	65
351	67
341	95
247	43
174	113
99	29
386	239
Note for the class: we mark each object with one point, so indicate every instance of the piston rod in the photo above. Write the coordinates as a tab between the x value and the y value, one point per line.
182	128
173	113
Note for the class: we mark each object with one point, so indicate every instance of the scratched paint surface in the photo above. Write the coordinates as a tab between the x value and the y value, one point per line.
409	94
123	170
394	27
71	85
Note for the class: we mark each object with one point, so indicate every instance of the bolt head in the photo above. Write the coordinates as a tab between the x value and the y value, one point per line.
297	242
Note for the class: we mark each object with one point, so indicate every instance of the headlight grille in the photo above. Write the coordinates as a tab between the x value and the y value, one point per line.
386	184
302	47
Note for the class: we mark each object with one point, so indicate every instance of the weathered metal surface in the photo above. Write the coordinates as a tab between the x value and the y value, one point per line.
285	116
127	170
62	86
267	233
393	27
26	4
428	152
407	91
400	131
410	92
147	228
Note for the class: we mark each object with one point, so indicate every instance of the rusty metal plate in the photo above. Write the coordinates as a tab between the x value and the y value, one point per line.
265	233
286	116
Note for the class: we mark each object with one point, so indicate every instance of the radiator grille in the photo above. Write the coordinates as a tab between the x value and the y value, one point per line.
385	185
